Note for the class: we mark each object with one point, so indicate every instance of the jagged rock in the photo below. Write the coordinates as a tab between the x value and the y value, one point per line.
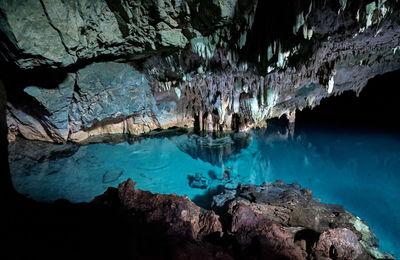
250	227
259	227
109	90
21	123
208	63
179	214
339	243
290	206
255	224
56	102
63	33
172	38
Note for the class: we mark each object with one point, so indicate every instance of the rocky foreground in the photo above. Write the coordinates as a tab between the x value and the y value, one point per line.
270	221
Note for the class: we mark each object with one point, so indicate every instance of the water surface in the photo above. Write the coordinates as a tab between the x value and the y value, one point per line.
354	168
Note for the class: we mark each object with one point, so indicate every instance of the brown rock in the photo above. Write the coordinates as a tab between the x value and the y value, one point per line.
178	214
339	243
252	228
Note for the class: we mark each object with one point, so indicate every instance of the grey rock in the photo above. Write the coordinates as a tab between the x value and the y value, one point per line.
56	102
29	29
109	90
189	52
172	38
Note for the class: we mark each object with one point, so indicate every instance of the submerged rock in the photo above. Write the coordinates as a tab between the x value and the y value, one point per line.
111	176
198	181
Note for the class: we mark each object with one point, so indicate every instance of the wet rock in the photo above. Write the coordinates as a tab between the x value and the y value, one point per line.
289	206
227	174
198	181
250	228
180	216
212	175
339	243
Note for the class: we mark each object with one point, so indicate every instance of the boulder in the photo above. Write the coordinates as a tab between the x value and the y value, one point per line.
290	207
180	216
339	243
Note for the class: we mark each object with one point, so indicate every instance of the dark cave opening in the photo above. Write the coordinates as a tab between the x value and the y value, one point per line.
375	108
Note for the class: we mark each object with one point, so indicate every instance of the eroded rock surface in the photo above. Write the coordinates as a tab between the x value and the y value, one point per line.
322	227
270	221
211	65
340	243
179	214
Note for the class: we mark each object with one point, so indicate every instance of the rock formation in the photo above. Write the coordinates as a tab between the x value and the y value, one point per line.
270	221
135	66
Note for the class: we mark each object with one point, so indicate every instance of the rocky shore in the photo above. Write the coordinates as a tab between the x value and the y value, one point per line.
270	221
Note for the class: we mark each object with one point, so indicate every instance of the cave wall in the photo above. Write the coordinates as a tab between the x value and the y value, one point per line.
76	69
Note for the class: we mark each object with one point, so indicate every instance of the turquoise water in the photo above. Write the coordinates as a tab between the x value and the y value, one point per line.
357	169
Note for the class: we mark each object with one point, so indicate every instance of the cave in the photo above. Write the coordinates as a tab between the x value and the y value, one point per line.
211	129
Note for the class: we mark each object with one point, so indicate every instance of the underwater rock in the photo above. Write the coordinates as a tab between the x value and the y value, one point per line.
198	181
111	176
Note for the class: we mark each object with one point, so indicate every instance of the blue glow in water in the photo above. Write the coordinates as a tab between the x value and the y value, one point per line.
359	170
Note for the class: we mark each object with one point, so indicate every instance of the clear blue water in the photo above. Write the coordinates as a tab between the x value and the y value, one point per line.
357	169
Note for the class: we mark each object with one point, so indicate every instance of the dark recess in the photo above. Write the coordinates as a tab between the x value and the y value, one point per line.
376	107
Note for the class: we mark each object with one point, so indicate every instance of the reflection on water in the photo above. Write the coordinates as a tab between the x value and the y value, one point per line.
357	169
216	151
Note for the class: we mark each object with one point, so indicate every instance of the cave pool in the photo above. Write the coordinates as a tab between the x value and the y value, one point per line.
357	169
